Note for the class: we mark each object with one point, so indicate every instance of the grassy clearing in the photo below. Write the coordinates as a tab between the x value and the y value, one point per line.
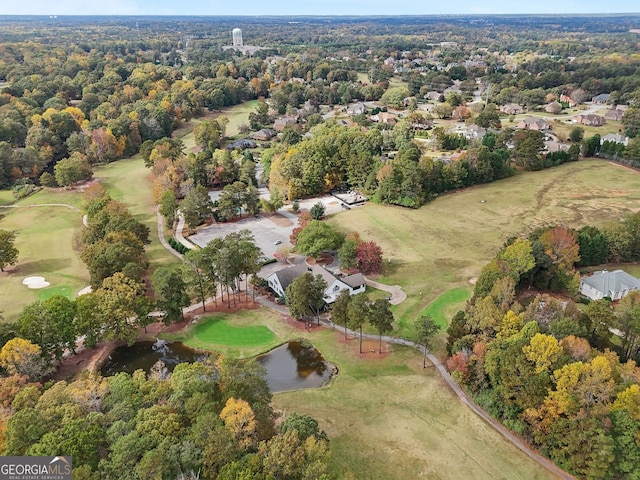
238	115
241	335
446	305
389	418
48	244
444	244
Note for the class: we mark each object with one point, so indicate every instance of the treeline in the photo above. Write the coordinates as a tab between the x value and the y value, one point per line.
208	420
347	156
550	371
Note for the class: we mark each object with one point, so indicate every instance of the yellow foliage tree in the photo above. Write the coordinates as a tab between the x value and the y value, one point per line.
240	421
19	356
543	350
629	400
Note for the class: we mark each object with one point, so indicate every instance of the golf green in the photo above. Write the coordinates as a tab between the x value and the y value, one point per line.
219	332
438	308
62	290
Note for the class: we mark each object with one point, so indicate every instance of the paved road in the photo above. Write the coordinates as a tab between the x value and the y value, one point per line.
164	243
397	294
177	234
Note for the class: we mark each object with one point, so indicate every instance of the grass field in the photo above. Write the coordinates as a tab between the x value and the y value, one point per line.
6	197
48	244
388	418
444	244
243	334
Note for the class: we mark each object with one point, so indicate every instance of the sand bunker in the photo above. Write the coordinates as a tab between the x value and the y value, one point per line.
84	291
35	282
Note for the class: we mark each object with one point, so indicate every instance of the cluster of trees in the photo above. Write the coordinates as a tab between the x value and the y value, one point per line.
8	250
220	265
337	155
113	240
210	420
313	237
549	370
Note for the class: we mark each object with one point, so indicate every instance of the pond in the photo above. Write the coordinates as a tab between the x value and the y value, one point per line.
296	365
291	366
143	355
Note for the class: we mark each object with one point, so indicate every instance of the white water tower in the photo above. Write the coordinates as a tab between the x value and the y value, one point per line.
236	34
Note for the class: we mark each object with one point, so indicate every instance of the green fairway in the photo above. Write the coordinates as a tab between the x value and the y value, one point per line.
128	181
446	305
48	244
218	331
63	290
445	244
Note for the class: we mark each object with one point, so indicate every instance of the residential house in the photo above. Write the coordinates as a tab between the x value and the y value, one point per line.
554	145
264	135
241	144
384	117
591	120
614	285
533	123
553	107
512	109
474	132
602	98
568	100
357	109
614	115
279	281
616	138
282	122
433	96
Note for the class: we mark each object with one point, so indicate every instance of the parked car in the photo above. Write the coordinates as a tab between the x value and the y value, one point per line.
277	242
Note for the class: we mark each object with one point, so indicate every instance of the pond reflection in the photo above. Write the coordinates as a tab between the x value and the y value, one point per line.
291	366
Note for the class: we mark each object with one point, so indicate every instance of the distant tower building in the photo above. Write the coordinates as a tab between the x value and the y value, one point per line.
237	37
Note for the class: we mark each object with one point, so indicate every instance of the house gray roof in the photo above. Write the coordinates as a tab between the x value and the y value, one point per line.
355	280
614	281
287	275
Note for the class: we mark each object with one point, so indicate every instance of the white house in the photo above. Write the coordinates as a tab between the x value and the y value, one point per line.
281	279
615	285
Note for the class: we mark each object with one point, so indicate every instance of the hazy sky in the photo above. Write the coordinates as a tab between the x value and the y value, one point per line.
309	7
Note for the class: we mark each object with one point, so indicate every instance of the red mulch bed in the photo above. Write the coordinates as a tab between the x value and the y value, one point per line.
369	347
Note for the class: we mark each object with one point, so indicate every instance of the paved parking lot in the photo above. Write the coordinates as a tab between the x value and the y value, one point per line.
266	229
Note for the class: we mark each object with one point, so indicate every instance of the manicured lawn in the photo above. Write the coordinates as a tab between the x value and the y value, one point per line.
445	244
48	240
63	290
446	305
242	334
218	331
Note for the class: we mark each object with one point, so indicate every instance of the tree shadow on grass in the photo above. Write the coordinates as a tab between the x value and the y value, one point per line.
42	267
